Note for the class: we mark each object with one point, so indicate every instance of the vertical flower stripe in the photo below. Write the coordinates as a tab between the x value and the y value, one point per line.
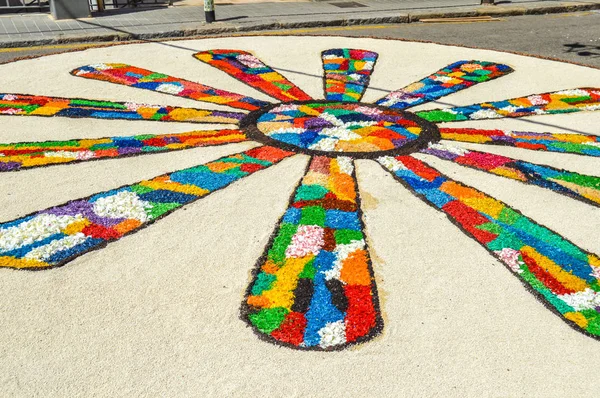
313	288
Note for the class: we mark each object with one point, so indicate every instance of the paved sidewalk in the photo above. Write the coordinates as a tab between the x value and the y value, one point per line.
150	23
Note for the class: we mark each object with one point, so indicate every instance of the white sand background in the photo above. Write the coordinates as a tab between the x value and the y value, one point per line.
157	313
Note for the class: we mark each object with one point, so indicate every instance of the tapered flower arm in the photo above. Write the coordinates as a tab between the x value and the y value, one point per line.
250	70
582	187
347	73
561	274
580	144
35	105
133	76
55	236
564	101
314	287
449	80
24	155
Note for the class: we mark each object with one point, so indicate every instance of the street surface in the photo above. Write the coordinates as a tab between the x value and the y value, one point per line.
570	37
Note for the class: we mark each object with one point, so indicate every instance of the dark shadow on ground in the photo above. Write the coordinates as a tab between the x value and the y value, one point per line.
127	10
583	50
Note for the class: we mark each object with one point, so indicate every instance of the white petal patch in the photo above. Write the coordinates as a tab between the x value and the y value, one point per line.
345	164
10	111
574	92
250	61
333	334
369	111
342	252
100	66
170	88
80	155
512	258
443	79
326	144
308	239
511	108
391	163
586	300
537	100
285	108
485	114
43	252
286	130
331	119
30	231
125	204
452	149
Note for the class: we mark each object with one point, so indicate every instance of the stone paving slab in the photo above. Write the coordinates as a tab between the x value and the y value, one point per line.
177	21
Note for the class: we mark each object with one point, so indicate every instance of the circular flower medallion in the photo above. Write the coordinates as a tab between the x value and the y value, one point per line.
329	127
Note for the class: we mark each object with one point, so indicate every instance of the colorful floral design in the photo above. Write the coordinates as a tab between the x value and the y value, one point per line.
564	101
54	236
314	288
34	154
581	144
340	127
347	73
579	186
562	273
142	78
33	105
247	68
446	81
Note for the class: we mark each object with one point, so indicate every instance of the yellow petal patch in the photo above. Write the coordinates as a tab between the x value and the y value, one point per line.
21	263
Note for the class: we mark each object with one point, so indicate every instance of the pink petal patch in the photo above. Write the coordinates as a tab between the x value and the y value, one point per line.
307	240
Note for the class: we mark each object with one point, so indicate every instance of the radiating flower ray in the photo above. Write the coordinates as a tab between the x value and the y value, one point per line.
24	155
446	81
34	105
347	73
54	236
248	69
562	274
313	288
564	101
133	76
578	186
580	144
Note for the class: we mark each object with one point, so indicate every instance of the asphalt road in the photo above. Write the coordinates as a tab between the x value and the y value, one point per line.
571	37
